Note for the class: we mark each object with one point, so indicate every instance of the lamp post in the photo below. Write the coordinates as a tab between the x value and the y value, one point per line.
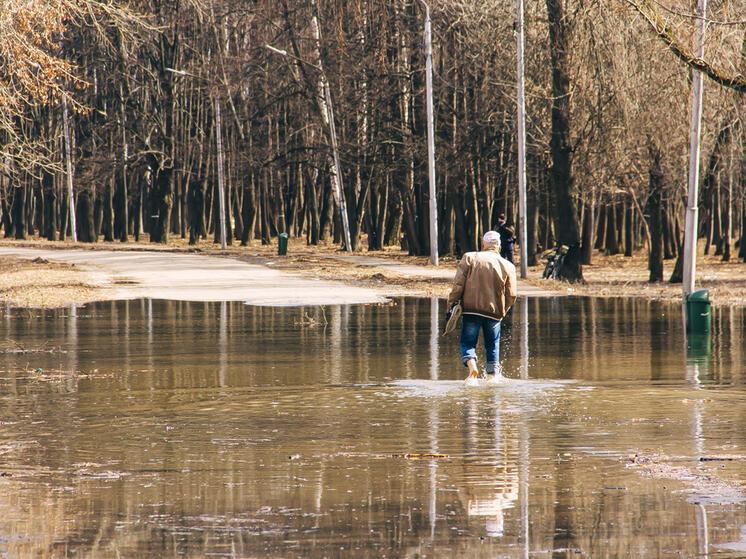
521	102
69	168
431	138
221	181
690	232
325	101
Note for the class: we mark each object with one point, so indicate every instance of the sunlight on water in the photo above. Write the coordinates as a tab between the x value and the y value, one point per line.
505	386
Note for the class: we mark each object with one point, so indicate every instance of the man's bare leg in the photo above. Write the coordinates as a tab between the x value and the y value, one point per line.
495	375
471	364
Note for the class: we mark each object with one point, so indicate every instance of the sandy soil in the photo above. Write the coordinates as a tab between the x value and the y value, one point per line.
43	283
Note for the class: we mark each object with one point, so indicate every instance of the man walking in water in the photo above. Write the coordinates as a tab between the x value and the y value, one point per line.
485	283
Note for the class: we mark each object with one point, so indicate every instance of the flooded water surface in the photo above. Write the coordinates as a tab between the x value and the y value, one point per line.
158	428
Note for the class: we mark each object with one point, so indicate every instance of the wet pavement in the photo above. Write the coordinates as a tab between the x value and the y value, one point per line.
153	428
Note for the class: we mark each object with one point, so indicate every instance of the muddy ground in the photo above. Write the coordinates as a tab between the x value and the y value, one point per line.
43	283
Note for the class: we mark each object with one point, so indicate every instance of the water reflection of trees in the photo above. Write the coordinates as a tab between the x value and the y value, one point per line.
627	339
181	342
215	426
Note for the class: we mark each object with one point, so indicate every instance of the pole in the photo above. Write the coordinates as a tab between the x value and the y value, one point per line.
431	138
221	187
69	165
690	233
521	102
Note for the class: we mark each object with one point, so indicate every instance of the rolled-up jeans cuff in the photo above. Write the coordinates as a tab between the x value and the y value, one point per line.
491	367
471	354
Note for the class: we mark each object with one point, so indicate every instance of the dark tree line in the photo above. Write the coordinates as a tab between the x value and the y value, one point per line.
285	81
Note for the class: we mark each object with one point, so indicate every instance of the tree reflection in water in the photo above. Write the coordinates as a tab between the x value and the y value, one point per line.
162	428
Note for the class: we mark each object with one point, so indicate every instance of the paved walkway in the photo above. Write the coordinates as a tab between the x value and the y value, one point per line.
197	277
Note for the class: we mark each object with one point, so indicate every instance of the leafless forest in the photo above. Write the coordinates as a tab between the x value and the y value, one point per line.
145	108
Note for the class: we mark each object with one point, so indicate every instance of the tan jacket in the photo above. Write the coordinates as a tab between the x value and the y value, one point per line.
485	283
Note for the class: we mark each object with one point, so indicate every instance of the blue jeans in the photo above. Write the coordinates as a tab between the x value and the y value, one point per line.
470	326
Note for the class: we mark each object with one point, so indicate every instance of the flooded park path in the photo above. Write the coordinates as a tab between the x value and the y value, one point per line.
150	428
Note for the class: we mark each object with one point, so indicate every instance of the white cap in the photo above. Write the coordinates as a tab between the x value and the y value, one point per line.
491	238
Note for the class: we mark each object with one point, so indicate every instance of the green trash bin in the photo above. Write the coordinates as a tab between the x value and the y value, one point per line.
698	346
698	312
282	244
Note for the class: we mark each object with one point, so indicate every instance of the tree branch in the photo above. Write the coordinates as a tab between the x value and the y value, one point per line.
648	12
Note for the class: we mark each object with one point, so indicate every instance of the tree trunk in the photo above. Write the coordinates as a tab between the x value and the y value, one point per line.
717	225
410	225
532	226
612	248
378	206
393	223
19	211
37	209
85	216
742	240
464	242
315	189
600	227
162	201
107	224
248	210
196	209
162	165
669	242
655	221
328	209
64	214
587	236
265	212
677	276
50	206
728	215
560	148
710	184
628	233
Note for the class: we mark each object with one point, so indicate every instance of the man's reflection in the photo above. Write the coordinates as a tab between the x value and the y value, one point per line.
491	475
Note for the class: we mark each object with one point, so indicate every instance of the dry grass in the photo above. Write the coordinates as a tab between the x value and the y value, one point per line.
41	283
620	276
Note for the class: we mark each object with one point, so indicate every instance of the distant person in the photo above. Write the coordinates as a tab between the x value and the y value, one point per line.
485	284
500	223
507	238
507	243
